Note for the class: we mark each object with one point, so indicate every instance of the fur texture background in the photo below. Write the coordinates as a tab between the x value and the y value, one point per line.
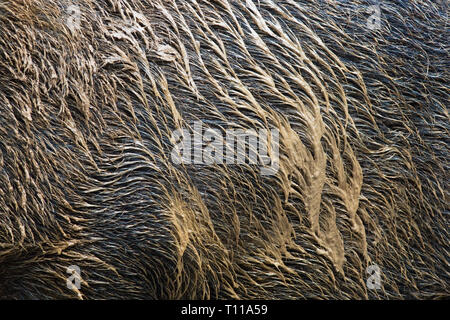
86	117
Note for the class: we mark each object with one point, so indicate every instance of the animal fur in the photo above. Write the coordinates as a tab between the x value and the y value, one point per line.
86	178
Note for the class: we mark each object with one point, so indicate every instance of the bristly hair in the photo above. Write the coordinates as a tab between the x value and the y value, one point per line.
91	91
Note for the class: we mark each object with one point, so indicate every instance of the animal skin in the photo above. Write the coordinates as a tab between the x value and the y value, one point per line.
92	91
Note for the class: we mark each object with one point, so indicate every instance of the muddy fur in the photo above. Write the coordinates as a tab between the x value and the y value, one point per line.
86	178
